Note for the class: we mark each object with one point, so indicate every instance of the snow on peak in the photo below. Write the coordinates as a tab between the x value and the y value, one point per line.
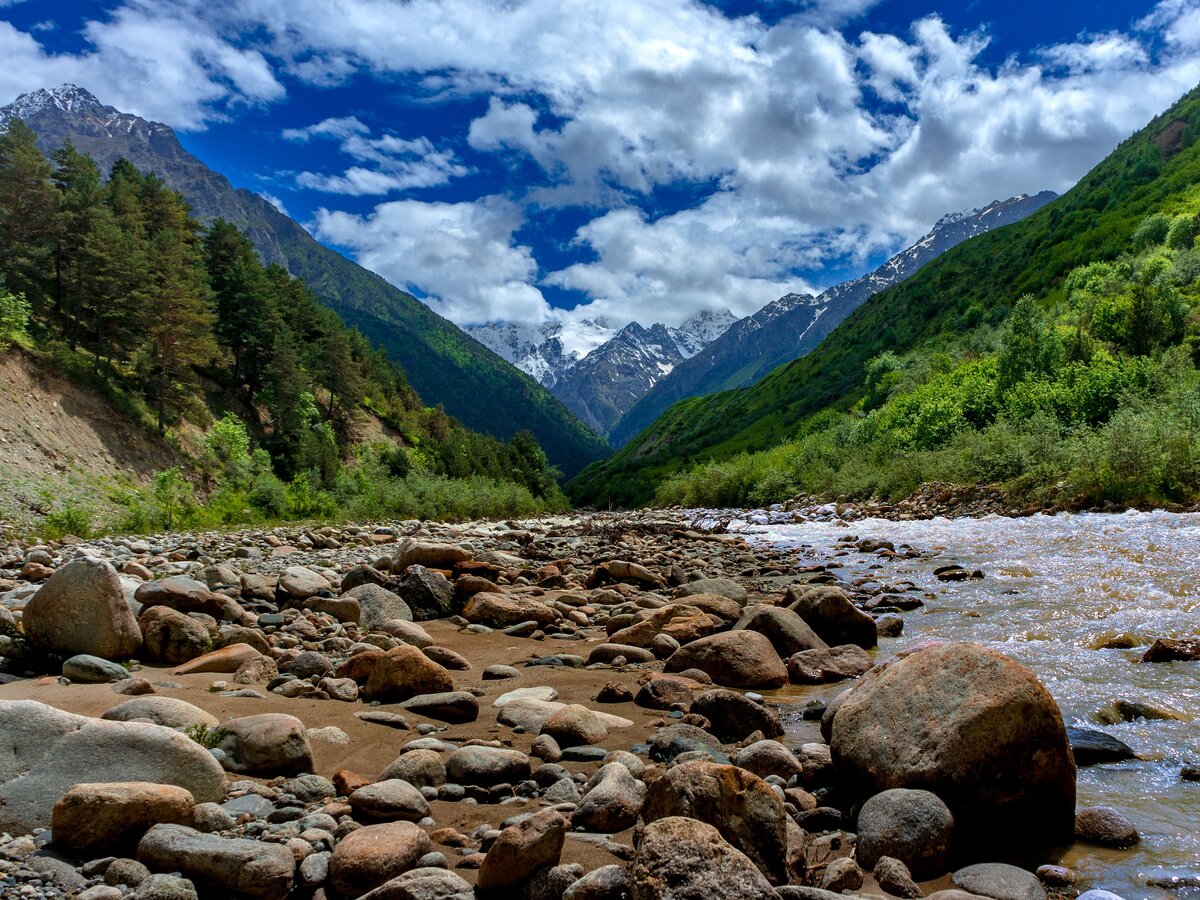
67	97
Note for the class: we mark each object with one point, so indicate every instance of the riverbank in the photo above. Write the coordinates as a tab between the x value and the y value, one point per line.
586	764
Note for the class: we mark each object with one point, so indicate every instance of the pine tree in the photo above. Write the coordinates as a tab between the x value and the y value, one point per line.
246	315
28	212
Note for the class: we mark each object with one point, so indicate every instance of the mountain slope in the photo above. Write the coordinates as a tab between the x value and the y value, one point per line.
546	351
977	281
602	386
443	364
794	324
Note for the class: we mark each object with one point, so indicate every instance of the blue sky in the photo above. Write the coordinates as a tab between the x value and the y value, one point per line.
534	159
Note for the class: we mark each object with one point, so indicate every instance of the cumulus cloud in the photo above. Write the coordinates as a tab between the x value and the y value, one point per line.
391	163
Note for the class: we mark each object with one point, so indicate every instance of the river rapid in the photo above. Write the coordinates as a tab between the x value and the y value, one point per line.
1057	588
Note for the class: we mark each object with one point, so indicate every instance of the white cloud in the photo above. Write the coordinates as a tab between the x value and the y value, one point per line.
395	164
462	255
274	201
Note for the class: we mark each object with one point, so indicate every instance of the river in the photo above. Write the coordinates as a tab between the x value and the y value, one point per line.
1056	588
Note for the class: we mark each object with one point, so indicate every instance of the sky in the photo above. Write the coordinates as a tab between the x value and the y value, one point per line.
535	160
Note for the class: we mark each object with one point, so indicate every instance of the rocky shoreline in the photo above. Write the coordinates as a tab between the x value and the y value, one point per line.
587	707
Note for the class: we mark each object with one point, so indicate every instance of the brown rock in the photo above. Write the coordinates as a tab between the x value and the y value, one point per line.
575	725
172	637
684	859
826	665
227	659
367	857
91	820
831	614
82	609
521	850
405	672
502	610
733	659
1168	650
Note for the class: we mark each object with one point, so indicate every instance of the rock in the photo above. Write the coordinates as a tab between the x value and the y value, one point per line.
302	583
674	740
165	887
521	850
344	609
225	865
893	876
404	672
768	757
370	856
739	804
605	883
574	725
227	659
684	859
86	669
409	632
722	587
973	727
389	801
423	884
1000	882
82	609
361	575
309	663
833	664
168	711
92	819
487	766
266	744
1092	748
787	632
1168	650
606	653
842	874
828	611
1119	711
429	554
172	637
1105	827
913	826
497	672
734	659
664	692
420	768
430	595
453	706
447	658
612	802
614	692
256	670
46	751
735	716
186	595
502	610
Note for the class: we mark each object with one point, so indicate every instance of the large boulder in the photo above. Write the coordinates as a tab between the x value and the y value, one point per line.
368	857
739	804
228	867
612	802
743	659
735	716
501	610
521	850
972	726
267	744
90	820
681	858
171	636
378	605
487	765
828	611
787	632
82	609
405	672
430	595
47	751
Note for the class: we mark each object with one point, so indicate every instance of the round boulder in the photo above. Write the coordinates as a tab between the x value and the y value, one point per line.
734	659
915	827
82	609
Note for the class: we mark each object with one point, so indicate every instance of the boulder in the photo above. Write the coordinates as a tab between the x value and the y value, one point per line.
1171	650
501	610
680	738
973	727
171	637
684	859
267	744
389	800
735	716
186	595
90	820
453	706
739	804
423	884
768	757
420	768
828	664
787	632
371	856
613	800
1000	882
486	766
82	609
722	587
734	659
226	866
169	711
915	827
430	595
85	669
378	605
666	692
47	750
1091	747
605	883
521	850
226	660
830	613
574	725
429	554
1105	827
404	672
301	583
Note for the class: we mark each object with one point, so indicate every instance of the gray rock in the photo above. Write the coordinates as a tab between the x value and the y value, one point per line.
605	883
722	587
168	711
613	800
229	865
1000	882
1105	827
768	757
521	849
420	768
82	609
450	706
787	632
487	766
391	800
683	859
893	876
266	744
424	884
379	605
301	582
87	669
308	788
46	750
913	826
830	613
165	887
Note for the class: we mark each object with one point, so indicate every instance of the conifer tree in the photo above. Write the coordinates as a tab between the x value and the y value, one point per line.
28	212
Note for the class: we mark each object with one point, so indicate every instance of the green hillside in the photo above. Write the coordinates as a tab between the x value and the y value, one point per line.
974	285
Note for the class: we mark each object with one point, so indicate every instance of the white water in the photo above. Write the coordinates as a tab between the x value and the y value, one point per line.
1057	586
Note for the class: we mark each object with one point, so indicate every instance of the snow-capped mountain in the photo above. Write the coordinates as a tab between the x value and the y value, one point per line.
793	325
546	350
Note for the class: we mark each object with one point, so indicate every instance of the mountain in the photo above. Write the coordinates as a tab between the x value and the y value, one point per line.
443	364
796	323
602	386
977	282
597	369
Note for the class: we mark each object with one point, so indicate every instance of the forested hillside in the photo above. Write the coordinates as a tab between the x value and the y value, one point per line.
969	291
108	278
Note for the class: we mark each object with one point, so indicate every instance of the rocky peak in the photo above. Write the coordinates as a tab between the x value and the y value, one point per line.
68	98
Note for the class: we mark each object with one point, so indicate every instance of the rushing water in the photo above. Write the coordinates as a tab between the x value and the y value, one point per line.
1057	587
